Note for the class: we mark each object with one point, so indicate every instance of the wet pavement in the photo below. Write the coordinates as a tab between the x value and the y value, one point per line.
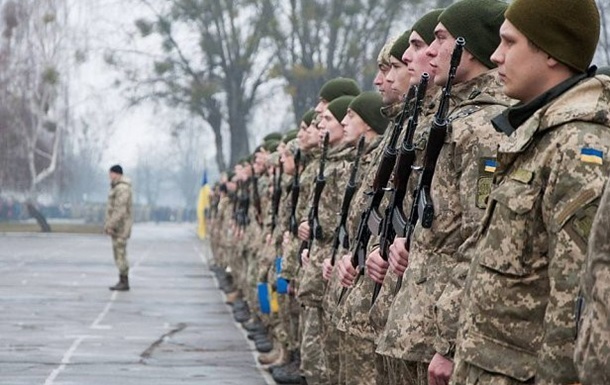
60	325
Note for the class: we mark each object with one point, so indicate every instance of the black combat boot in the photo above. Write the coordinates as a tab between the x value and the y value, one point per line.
122	285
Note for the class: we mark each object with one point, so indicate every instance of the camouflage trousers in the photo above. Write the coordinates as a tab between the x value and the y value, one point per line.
357	361
401	372
467	374
119	249
332	350
313	360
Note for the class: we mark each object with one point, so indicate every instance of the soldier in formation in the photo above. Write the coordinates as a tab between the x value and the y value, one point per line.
436	231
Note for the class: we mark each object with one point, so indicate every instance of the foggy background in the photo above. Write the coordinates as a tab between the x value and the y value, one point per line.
168	89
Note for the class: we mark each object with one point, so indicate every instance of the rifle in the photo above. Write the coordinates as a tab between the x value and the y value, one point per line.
402	172
296	189
422	206
315	230
277	195
370	218
341	234
256	197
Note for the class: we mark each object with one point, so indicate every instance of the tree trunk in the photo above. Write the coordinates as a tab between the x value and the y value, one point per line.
36	214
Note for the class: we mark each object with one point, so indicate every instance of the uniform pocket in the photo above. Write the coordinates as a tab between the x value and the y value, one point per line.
512	228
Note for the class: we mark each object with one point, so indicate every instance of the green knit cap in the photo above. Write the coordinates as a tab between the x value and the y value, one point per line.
568	30
425	26
400	45
308	117
290	135
368	106
337	87
477	21
272	136
338	107
271	145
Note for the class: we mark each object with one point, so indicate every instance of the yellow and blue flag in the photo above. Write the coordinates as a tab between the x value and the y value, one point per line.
490	165
591	155
202	204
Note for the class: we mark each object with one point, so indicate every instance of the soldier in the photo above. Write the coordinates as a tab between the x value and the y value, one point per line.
517	322
592	355
118	223
363	118
407	343
358	349
312	285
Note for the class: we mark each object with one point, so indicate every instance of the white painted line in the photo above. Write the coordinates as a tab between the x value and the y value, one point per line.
64	361
100	317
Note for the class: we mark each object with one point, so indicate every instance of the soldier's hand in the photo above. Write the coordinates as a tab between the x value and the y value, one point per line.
399	256
286	239
347	273
439	370
376	267
304	231
305	257
327	269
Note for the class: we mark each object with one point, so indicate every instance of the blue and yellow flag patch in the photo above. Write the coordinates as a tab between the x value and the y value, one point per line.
591	155
490	165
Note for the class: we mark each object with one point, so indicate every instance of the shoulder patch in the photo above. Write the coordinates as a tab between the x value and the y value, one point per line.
579	227
487	167
591	155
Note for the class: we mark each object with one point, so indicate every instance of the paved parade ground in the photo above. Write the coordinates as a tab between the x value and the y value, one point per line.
60	325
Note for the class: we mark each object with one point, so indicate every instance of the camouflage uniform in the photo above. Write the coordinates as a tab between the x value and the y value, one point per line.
458	190
312	285
119	219
592	356
517	318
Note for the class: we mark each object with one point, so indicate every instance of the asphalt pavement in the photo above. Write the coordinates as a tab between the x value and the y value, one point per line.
60	325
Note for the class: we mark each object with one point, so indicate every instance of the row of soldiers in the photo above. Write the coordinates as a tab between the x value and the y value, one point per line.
450	228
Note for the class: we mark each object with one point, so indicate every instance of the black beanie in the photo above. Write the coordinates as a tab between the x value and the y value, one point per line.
338	107
425	26
337	87
308	117
568	30
117	169
477	21
400	45
368	106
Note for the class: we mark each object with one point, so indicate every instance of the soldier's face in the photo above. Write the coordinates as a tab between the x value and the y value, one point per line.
398	77
113	176
302	133
313	138
287	159
321	106
521	66
417	60
331	125
353	127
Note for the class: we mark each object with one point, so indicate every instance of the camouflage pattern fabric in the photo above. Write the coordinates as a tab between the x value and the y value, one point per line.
517	316
313	285
358	361
119	217
459	189
592	355
313	361
119	250
473	375
401	372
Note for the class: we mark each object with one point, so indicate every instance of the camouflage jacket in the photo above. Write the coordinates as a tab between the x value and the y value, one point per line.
290	261
312	285
459	187
119	216
334	287
517	314
592	355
